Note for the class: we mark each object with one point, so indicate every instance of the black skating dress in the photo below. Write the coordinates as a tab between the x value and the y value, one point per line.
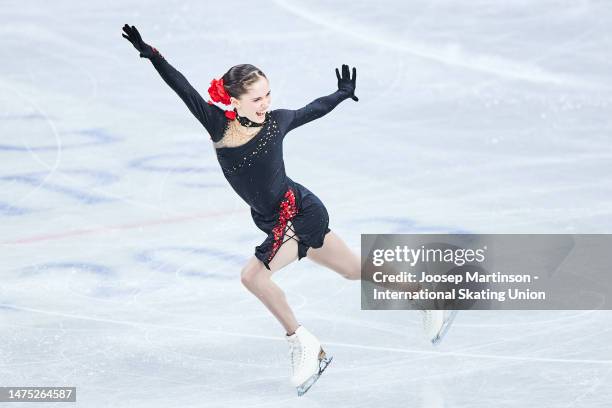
256	170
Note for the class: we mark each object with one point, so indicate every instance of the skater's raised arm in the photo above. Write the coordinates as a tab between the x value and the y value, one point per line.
325	104
210	116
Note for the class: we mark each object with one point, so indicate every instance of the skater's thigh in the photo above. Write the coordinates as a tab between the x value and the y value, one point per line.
337	256
287	253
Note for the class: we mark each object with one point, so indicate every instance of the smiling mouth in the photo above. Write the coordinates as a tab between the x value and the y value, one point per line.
260	114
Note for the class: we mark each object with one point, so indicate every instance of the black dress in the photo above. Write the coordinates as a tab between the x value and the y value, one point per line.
256	170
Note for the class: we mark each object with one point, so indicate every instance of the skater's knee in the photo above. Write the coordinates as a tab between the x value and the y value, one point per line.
251	275
247	277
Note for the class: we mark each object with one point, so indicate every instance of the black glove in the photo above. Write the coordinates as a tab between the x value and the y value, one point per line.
133	36
345	83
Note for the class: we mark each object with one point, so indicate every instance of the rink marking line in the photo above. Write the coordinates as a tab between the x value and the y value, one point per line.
337	344
488	63
58	152
120	227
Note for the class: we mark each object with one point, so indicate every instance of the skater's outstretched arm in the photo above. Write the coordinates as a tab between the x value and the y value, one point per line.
325	104
210	116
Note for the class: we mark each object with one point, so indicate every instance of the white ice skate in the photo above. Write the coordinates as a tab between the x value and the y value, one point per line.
436	324
308	360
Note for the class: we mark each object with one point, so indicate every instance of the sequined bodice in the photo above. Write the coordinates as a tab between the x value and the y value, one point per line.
255	169
236	134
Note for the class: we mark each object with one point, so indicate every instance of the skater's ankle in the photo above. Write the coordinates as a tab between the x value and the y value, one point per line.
293	332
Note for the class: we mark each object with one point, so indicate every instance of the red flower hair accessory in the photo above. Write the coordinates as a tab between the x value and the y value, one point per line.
218	94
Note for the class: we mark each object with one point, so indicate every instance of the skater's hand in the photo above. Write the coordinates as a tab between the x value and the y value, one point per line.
345	83
133	36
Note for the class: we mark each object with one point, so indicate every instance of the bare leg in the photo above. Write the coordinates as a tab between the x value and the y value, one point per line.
334	254
258	280
337	256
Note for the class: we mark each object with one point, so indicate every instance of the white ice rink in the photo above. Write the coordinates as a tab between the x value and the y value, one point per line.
122	243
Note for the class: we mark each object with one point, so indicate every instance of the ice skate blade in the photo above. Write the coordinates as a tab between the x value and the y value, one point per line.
323	363
447	324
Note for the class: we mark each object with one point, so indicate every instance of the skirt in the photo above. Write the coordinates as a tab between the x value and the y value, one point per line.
300	214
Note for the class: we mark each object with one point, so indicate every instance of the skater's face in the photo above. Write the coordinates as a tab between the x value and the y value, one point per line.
254	104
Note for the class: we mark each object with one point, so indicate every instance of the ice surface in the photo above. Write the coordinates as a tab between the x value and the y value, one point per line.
122	243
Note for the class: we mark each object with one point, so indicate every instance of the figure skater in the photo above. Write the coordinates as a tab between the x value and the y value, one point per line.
248	144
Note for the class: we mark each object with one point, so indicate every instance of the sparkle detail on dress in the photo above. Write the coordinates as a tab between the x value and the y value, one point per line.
261	148
287	211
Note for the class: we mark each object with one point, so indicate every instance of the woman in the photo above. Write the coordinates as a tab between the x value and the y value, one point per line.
248	144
